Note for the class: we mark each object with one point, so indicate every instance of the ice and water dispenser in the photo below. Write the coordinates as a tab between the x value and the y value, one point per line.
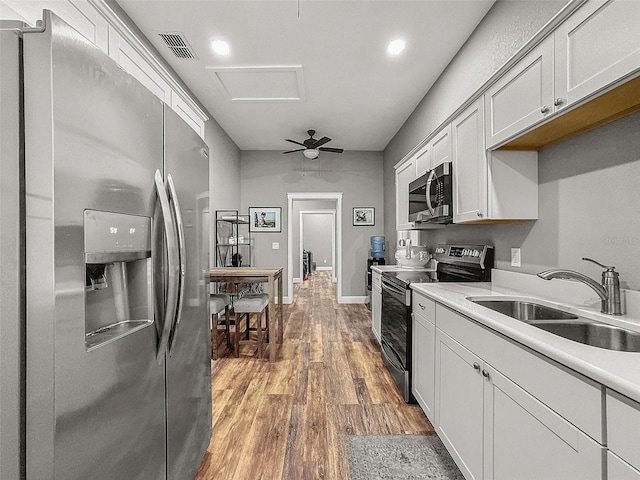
118	275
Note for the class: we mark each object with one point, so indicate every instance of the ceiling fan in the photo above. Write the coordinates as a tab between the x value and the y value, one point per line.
313	147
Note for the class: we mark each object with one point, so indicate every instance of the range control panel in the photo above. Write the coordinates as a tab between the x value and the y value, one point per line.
463	253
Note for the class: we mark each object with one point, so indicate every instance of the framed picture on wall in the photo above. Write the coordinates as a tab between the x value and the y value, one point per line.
265	219
363	216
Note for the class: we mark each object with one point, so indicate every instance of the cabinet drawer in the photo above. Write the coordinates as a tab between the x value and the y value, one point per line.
376	278
424	308
573	396
623	427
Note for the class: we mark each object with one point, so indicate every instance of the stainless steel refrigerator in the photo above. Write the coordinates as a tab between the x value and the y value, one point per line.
104	337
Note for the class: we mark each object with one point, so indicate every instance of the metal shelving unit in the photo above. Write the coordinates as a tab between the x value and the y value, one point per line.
234	245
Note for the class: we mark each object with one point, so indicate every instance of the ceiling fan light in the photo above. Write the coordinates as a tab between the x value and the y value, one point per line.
311	153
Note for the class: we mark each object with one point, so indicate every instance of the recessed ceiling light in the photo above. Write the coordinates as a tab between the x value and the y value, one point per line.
395	47
220	47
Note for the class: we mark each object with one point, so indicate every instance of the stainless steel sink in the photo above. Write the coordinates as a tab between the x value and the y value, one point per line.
595	334
525	311
565	324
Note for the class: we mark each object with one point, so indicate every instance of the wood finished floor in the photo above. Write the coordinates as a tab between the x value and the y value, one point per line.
288	420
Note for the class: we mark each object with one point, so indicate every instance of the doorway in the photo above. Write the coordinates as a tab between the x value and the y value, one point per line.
318	235
320	201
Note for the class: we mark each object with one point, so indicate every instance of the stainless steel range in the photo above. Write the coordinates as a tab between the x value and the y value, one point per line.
455	263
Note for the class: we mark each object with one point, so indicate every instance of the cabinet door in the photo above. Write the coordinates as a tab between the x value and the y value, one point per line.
598	45
423	160
618	469
459	404
623	427
405	174
376	309
522	97
441	147
469	165
423	372
525	439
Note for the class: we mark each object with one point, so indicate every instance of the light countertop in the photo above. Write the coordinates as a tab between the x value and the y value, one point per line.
398	268
619	371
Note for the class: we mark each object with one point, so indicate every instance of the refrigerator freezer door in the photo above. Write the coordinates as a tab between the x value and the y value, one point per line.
93	140
188	362
11	258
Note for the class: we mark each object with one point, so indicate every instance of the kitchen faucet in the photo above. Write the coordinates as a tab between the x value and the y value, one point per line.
609	291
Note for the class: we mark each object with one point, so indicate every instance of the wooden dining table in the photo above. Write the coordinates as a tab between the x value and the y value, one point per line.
267	275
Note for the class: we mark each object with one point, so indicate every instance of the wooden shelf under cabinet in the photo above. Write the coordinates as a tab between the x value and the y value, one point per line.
612	105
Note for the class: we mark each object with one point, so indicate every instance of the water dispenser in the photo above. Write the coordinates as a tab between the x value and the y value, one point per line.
118	276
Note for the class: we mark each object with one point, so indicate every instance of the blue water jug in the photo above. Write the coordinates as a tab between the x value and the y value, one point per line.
377	247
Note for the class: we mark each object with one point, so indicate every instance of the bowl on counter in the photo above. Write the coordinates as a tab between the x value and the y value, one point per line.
416	257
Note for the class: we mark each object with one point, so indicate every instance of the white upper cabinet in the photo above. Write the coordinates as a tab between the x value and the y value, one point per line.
522	97
423	160
80	14
405	174
437	151
595	47
130	60
469	165
441	147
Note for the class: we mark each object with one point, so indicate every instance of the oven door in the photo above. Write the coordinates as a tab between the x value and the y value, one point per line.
396	334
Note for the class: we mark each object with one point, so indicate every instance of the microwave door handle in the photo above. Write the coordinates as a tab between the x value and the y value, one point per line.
173	266
173	199
432	176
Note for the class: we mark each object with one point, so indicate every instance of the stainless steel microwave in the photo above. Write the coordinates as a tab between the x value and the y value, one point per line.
431	196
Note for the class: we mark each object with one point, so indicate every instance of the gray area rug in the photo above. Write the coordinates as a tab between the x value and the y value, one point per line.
410	457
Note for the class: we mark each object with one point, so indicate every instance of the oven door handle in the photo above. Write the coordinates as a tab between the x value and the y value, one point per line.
394	291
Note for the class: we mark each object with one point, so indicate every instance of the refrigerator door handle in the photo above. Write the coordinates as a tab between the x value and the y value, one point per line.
173	198
173	267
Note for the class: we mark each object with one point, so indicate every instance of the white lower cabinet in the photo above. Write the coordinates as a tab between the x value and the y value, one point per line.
525	439
623	428
423	358
459	409
618	469
496	430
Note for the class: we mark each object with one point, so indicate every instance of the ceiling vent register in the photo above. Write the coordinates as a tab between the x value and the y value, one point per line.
178	45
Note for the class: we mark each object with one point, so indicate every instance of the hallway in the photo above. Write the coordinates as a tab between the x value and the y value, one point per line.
288	420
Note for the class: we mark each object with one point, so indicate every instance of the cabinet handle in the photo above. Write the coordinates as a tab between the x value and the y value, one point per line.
476	366
479	213
422	306
558	101
485	374
544	109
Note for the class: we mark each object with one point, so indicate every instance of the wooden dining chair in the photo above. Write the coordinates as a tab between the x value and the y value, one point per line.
219	302
257	304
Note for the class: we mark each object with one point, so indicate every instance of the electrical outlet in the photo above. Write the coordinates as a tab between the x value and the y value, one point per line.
275	246
515	257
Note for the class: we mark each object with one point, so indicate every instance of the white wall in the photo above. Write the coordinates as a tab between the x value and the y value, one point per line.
317	230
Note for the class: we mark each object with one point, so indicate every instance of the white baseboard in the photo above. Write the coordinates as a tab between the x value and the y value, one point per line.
324	268
297	280
354	299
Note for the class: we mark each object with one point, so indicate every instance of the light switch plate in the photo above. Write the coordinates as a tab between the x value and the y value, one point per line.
275	246
515	257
